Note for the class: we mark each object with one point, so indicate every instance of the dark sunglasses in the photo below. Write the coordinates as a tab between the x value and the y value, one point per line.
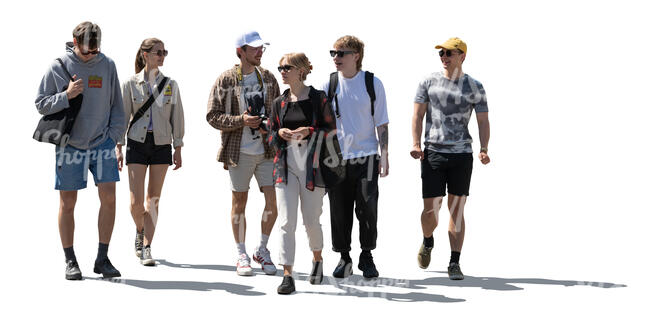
339	53
285	67
447	53
161	53
96	51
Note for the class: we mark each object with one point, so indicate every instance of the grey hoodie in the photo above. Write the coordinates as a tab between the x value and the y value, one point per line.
102	114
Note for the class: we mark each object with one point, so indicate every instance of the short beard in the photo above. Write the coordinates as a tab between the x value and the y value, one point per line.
253	62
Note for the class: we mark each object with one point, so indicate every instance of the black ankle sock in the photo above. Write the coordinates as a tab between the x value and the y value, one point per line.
365	254
345	256
102	252
147	246
455	257
69	254
428	242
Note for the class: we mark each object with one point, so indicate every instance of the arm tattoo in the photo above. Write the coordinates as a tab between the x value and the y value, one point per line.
383	137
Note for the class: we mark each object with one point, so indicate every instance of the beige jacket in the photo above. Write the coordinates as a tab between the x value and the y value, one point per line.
168	118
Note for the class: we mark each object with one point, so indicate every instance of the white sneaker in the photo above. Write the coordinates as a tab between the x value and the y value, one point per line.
263	257
244	265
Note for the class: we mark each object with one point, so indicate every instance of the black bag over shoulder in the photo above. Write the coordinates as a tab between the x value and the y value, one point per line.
55	128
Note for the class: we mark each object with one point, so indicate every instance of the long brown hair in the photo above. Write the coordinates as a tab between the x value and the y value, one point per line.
146	46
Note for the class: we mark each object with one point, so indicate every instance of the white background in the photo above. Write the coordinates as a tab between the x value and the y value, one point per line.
555	224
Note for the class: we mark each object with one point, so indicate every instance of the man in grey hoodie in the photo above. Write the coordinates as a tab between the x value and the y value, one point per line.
91	145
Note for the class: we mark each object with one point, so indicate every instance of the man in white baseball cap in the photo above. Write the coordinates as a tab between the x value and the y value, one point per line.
238	107
251	39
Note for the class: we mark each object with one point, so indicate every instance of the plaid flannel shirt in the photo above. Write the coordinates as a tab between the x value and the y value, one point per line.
223	113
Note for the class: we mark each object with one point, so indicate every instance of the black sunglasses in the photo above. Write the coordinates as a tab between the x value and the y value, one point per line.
160	53
96	51
285	67
447	53
339	53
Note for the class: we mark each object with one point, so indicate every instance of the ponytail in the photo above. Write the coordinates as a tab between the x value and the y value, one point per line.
146	46
139	61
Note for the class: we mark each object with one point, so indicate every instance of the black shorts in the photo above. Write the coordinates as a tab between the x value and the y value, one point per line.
148	153
451	170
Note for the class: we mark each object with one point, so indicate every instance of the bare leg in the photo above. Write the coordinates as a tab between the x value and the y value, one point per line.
318	255
456	222
67	201
137	174
429	218
270	210
237	215
157	174
287	270
106	211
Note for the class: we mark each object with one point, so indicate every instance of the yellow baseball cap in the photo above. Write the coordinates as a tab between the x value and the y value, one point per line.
453	43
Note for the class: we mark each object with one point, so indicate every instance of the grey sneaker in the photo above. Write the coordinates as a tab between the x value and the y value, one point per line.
424	256
72	271
146	258
139	242
454	272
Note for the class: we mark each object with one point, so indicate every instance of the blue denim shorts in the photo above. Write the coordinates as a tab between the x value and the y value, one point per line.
72	166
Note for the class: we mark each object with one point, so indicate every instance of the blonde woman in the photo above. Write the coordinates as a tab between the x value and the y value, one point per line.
299	116
154	125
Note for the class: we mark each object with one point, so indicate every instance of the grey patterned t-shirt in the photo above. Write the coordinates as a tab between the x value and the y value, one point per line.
449	109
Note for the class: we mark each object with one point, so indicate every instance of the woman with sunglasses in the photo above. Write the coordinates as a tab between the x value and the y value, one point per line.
155	121
299	118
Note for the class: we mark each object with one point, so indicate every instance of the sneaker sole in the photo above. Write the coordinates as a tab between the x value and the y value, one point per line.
148	262
107	275
73	276
456	277
245	273
286	293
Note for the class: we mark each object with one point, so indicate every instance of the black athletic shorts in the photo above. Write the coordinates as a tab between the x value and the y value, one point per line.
147	152
450	170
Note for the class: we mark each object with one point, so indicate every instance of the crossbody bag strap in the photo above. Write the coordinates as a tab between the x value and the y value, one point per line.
148	103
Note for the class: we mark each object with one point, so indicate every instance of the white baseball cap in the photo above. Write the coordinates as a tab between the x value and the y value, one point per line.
250	38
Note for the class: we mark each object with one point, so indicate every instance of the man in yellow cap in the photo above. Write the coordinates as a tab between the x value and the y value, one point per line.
447	99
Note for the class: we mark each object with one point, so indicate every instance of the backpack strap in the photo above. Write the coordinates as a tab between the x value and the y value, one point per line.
331	92
370	87
65	69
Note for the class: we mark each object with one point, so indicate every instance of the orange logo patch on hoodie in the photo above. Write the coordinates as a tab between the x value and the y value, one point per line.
94	82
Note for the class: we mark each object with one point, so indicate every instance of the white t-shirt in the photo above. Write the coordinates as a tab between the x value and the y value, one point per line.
250	143
355	127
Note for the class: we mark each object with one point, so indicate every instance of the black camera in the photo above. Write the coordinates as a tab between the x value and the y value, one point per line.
256	109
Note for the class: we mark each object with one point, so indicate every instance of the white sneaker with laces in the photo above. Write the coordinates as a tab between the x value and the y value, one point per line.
244	265
263	257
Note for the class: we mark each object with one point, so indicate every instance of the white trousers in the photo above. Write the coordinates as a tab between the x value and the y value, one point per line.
311	205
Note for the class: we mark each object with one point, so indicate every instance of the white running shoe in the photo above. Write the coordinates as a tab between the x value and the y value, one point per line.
263	257
244	265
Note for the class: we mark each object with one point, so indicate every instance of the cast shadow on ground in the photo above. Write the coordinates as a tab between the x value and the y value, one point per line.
503	284
185	285
358	286
351	286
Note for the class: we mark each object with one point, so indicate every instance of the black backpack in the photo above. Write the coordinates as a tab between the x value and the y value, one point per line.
370	87
334	173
